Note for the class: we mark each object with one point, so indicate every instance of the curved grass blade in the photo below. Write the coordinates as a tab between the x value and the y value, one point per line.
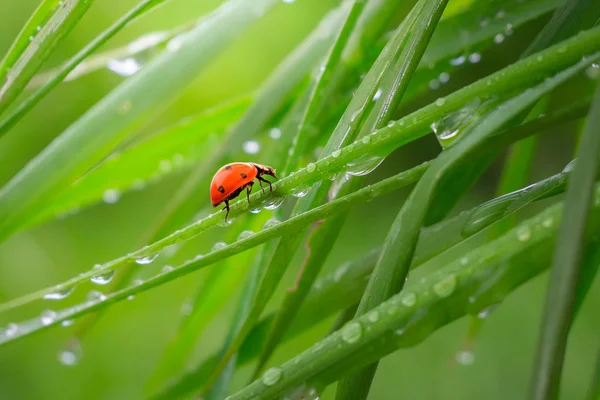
594	390
117	115
392	267
383	141
48	26
143	7
171	151
566	264
410	317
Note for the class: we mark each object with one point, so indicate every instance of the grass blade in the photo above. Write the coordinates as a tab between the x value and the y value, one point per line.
48	26
32	100
594	391
565	274
116	116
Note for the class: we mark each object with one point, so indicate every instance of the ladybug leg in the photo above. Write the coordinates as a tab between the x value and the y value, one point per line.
226	208
260	183
248	190
261	179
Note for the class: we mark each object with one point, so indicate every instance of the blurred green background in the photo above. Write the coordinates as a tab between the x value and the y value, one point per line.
119	354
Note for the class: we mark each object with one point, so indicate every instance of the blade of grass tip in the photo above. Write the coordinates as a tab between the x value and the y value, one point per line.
566	265
48	26
594	390
393	85
409	318
392	267
33	99
525	72
116	116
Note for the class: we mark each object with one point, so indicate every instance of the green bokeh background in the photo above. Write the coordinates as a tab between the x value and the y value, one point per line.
120	352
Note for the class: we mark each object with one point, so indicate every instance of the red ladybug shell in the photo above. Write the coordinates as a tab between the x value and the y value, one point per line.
230	178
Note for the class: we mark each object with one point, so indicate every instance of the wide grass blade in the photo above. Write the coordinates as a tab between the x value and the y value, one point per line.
99	131
426	305
48	26
566	265
32	100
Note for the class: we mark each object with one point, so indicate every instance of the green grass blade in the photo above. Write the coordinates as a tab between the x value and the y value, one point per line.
172	151
392	267
408	318
32	100
48	26
383	141
566	265
116	116
594	390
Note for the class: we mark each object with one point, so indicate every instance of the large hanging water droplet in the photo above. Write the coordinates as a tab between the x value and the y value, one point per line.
47	317
103	279
450	126
145	260
487	311
352	332
61	294
245	235
363	166
218	246
71	354
273	203
271	222
445	287
299	191
271	376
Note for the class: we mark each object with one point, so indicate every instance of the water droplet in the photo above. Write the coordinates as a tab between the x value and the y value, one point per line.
409	299
451	125
126	67
111	196
363	166
351	332
508	30
165	166
145	260
373	316
245	235
336	153
434	84
273	203
251	147
440	102
187	308
444	77
523	234
593	71
547	222
465	357
71	354
95	296
499	38
255	209
138	184
487	311
61	294
275	133
218	246
271	376
167	268
38	28
484	22
67	322
377	94
500	14
11	330
130	297
445	287
103	279
31	38
474	58
299	191
48	317
460	60
366	140
271	222
310	167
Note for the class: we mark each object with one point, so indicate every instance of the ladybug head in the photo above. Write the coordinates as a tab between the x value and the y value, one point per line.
266	170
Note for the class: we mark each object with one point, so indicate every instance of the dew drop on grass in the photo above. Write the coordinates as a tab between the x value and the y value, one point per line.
460	60
593	71
409	299
336	153
444	77
499	38
373	316
219	246
275	133
486	312
474	58
271	222
145	260
167	268
450	126
434	84
251	147
440	102
299	191
125	67
47	317
11	330
445	287
547	222
377	94
271	376
310	167
67	322
366	140
111	196
508	30
103	279
465	357
71	354
363	166
352	332
523	234
245	235
273	203
61	294
130	297
255	209
94	296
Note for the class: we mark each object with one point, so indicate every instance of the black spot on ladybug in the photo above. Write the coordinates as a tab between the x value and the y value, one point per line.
243	175
228	167
221	189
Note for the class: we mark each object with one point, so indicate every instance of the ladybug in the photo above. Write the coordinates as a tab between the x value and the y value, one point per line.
231	179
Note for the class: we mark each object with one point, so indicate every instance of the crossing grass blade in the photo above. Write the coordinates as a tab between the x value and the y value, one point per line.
48	26
566	264
114	118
